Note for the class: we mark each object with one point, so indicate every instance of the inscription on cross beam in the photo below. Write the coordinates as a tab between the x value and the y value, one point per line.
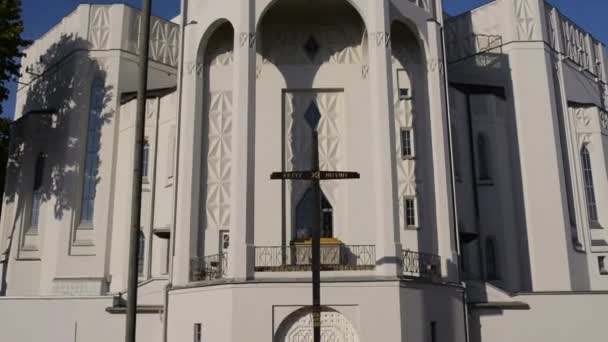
315	175
312	175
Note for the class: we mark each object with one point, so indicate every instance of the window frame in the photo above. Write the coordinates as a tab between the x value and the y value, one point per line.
36	201
589	187
90	169
145	160
409	132
406	212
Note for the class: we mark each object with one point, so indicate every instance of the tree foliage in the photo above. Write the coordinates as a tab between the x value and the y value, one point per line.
11	44
5	126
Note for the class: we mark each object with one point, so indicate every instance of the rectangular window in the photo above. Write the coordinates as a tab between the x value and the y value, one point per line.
141	255
36	199
37	194
403	84
198	332
411	212
145	159
589	186
433	331
407	143
602	265
171	154
91	162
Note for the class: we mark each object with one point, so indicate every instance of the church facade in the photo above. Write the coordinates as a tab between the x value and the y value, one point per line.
481	140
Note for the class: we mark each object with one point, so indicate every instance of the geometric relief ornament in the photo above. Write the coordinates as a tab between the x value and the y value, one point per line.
604	120
525	20
298	139
334	328
316	45
99	32
406	167
219	160
164	42
582	117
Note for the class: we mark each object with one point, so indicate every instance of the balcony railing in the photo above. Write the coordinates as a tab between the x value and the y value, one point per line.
421	265
336	257
209	267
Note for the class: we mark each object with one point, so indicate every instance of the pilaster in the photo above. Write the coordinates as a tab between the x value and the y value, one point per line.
240	258
388	247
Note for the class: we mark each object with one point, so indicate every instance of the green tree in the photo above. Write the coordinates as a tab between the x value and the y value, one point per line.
11	44
5	126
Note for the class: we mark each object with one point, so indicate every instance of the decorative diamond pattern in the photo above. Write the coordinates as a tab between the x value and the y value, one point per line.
164	42
312	116
311	48
299	138
525	20
99	32
164	39
340	42
219	160
406	168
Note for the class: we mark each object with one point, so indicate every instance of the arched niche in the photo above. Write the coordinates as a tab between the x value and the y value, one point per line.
411	110
214	138
310	54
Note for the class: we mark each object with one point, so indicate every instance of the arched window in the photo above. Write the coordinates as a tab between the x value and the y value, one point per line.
37	194
91	164
142	254
589	187
483	157
491	260
304	215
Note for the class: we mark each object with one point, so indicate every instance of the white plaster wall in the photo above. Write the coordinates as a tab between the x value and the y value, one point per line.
70	319
552	317
255	311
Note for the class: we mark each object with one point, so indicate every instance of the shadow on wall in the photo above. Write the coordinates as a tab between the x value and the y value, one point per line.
61	122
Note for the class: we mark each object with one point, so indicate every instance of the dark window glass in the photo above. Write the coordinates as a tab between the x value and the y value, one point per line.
589	186
91	163
145	159
407	146
410	212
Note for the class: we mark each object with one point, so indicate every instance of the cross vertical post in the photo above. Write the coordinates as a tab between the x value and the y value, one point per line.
316	240
315	176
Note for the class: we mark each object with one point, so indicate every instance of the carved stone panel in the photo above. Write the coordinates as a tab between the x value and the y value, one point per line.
219	160
334	328
99	31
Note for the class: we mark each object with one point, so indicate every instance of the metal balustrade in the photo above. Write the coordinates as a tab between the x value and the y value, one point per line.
335	257
208	267
421	265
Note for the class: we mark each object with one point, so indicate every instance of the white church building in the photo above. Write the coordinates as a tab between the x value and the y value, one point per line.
481	139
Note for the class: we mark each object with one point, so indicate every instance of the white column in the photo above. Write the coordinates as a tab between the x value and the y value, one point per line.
240	258
189	161
382	133
444	210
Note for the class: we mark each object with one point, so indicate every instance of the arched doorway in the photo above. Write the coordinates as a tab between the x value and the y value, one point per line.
335	327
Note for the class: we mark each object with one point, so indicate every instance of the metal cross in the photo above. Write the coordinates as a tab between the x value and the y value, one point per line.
315	175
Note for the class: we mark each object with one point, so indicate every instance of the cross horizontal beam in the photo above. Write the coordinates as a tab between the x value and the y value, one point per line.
315	175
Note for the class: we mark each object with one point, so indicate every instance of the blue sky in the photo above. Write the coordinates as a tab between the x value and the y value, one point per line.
40	15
